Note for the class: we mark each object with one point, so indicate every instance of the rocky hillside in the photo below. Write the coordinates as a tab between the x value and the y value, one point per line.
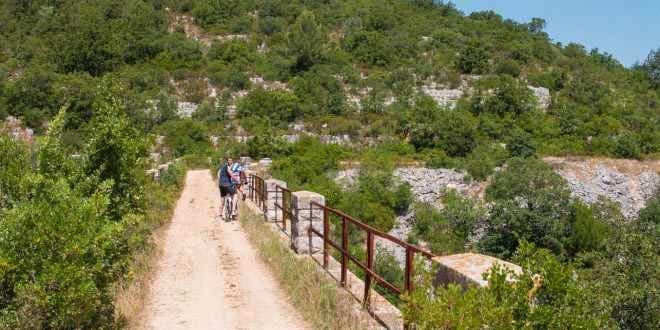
629	183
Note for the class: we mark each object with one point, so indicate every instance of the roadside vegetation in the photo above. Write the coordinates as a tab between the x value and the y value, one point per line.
72	228
100	81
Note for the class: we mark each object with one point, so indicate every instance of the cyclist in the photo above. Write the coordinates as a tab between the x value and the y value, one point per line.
226	184
238	177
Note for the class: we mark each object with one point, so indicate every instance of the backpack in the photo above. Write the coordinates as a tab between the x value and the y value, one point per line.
224	179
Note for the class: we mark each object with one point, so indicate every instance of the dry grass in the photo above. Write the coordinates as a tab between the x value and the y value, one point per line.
132	292
311	291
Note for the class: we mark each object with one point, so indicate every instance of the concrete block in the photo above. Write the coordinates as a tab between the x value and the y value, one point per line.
305	214
467	269
273	196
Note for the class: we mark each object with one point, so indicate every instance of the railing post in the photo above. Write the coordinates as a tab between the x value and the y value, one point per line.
409	270
326	234
264	196
252	187
286	207
310	235
370	266
344	247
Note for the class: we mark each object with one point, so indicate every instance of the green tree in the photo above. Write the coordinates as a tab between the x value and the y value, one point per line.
652	67
510	97
115	150
53	159
452	130
306	40
15	172
185	137
530	202
536	25
279	106
473	59
521	144
218	12
562	301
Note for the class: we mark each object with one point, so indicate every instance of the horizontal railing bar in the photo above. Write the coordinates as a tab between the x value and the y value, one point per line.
377	277
375	231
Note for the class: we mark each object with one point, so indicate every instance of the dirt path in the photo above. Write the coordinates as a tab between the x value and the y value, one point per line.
208	276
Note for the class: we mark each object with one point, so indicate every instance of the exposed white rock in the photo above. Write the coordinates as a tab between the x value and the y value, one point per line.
336	139
231	37
629	183
444	97
13	127
291	138
428	184
215	140
186	109
542	95
258	81
298	127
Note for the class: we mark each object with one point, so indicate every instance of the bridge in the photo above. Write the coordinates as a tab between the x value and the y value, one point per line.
210	276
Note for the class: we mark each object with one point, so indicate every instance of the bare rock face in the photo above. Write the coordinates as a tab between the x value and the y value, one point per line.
186	109
13	127
629	183
542	95
444	97
428	184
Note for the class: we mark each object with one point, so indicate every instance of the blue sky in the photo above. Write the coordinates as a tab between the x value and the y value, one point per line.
627	29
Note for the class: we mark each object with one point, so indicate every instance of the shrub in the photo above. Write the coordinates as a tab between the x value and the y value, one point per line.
16	172
508	67
473	59
185	137
481	162
510	97
453	131
562	299
530	202
116	150
281	107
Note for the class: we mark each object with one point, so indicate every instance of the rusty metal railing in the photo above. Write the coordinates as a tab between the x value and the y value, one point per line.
368	265
257	191
285	206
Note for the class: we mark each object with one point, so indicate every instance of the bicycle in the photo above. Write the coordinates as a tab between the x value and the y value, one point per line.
227	211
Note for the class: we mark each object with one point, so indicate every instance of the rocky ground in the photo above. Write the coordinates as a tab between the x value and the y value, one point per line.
629	183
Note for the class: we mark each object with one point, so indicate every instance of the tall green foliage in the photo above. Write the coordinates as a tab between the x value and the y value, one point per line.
116	151
562	302
531	203
305	41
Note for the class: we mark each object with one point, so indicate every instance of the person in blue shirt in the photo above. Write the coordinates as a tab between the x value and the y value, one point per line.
238	177
226	184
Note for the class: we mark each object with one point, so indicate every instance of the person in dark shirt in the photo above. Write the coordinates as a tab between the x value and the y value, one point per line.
226	184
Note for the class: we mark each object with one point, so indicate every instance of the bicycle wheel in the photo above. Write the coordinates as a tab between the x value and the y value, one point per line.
227	210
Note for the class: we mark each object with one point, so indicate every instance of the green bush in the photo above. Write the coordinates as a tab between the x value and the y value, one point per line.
562	300
281	107
530	202
481	162
454	131
185	136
